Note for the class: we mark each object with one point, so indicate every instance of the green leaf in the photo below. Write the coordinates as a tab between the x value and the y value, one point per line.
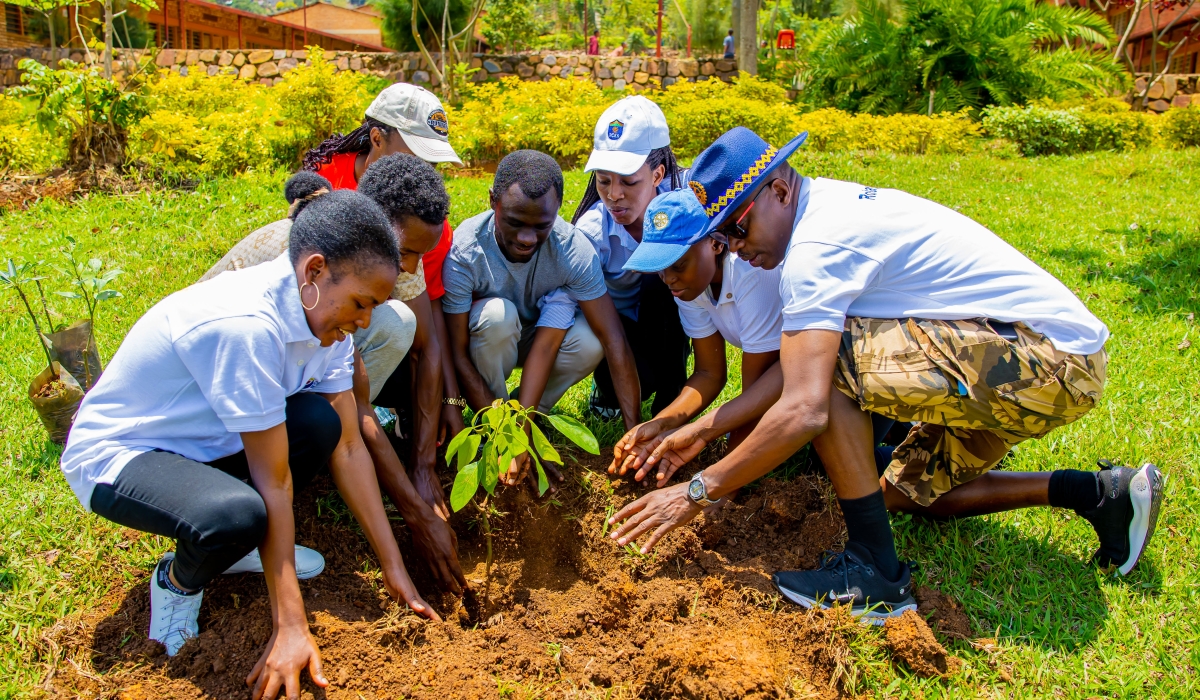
455	443
543	446
107	294
491	469
467	451
465	485
96	264
576	432
543	482
70	295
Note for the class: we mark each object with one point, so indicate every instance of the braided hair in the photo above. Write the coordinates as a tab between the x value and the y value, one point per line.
357	141
343	225
660	156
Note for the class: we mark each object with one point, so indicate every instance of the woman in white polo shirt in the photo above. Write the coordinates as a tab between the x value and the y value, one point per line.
226	397
721	299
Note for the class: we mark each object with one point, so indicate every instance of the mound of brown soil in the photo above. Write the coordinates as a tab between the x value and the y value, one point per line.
912	642
944	614
566	611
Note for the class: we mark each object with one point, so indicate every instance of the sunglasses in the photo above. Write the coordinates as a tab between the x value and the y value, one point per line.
736	230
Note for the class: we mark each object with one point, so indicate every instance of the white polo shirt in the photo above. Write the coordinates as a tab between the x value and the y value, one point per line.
881	253
205	364
748	313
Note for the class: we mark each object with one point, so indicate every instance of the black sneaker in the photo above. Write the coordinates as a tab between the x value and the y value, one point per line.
598	409
850	578
1127	514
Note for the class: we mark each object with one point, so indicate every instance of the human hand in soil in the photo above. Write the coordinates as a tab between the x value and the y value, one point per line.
429	488
674	450
632	450
658	512
290	650
520	469
401	587
438	546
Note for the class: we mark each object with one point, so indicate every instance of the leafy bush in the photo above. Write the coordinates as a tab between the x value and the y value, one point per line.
834	130
1181	127
315	102
700	112
556	116
79	104
1044	129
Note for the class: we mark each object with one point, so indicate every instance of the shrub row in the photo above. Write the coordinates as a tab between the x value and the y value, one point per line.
205	126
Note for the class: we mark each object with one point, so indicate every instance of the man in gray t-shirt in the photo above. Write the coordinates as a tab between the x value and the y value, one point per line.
503	264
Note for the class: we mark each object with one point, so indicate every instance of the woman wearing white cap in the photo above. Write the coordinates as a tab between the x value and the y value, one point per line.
406	118
631	162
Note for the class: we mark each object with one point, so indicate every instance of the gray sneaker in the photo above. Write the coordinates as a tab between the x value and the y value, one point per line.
1127	514
600	411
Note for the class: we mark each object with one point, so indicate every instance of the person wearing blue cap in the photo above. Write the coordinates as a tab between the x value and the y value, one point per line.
896	305
631	162
721	299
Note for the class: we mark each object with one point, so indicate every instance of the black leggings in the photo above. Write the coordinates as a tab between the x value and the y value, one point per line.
212	511
660	349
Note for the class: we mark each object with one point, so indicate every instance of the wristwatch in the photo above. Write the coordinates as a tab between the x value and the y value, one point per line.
460	402
697	492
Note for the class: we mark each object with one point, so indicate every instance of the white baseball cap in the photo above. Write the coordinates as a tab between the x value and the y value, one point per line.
419	117
625	135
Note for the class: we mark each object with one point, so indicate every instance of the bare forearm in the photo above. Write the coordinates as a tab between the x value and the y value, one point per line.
429	406
354	475
389	469
449	378
699	391
751	404
538	363
279	559
784	429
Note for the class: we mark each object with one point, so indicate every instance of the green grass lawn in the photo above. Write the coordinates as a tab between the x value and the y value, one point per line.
1122	230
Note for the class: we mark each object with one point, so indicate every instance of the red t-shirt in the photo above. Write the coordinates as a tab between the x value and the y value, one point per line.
340	173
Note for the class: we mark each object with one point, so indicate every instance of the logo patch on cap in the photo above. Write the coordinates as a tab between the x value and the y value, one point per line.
700	193
615	129
438	122
661	220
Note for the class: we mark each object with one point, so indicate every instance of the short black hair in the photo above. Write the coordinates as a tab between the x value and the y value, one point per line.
534	171
404	185
342	225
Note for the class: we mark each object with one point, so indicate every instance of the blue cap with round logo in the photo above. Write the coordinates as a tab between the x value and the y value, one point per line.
674	221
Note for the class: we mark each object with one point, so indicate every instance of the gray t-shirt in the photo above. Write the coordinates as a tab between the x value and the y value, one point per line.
476	269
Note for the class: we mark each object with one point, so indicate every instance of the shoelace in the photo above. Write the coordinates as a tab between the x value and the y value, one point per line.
179	609
845	560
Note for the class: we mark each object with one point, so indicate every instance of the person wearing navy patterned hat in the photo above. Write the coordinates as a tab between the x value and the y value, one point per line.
896	305
721	300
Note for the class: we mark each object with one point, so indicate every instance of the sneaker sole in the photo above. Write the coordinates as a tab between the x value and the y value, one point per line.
874	615
302	575
1145	493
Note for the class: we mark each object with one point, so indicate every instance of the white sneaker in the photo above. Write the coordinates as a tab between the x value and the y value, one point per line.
309	563
172	615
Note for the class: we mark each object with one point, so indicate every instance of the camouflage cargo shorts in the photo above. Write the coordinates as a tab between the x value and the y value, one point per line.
974	388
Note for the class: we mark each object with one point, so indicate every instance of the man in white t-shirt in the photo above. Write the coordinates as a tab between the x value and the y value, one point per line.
913	311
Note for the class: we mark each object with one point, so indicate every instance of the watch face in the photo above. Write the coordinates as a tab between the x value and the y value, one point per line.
696	490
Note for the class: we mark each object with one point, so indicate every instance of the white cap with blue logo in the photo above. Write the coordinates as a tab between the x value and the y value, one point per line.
419	117
625	135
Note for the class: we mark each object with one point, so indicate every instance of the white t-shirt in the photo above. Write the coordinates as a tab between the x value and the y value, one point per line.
748	314
881	253
205	364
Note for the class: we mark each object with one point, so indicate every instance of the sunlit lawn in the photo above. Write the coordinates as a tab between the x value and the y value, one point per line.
1123	231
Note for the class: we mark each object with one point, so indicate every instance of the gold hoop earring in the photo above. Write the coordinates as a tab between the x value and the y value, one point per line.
318	301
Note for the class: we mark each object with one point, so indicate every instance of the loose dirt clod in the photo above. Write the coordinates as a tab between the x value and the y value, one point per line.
944	614
52	389
912	642
571	613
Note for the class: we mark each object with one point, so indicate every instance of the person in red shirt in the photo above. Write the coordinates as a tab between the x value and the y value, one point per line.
407	118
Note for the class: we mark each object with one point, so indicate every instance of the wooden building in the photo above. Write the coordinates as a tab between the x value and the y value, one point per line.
352	24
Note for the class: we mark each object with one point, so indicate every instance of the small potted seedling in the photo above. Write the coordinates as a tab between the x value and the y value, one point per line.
506	430
55	394
75	345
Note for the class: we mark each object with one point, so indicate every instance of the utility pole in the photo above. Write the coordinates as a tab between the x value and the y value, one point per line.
658	38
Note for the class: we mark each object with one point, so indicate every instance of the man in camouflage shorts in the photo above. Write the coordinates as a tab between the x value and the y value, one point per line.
895	307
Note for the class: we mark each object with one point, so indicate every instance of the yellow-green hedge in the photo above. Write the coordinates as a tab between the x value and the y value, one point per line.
834	130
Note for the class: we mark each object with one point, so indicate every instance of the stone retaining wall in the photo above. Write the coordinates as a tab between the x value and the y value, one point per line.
1171	91
269	65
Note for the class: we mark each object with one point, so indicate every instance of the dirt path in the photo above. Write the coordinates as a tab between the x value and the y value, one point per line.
569	612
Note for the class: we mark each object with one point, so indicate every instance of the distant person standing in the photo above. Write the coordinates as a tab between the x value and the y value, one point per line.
729	44
593	45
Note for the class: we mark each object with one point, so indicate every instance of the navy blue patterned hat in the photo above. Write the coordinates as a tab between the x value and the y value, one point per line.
728	170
